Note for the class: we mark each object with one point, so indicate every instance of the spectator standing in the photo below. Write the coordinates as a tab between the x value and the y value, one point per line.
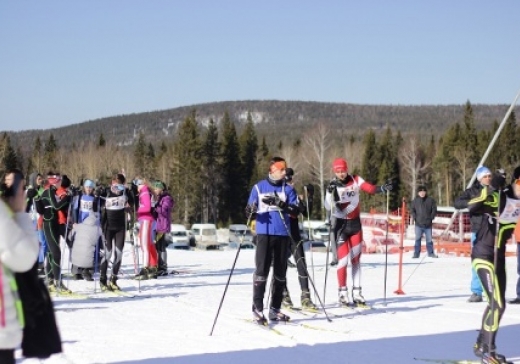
146	220
516	184
423	211
18	253
163	211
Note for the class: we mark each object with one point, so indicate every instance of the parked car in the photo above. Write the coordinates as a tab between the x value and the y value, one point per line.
178	238
205	236
317	246
316	230
240	233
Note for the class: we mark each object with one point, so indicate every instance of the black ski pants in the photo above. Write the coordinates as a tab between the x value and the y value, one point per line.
270	248
114	242
51	229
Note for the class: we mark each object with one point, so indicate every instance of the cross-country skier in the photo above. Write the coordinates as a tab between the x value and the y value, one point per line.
488	255
117	203
163	209
342	199
145	219
34	190
84	204
273	200
51	205
461	202
296	249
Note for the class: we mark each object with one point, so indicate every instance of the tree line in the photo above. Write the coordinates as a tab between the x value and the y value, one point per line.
211	167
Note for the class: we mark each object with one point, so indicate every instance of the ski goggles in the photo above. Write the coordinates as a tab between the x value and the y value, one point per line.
138	182
118	187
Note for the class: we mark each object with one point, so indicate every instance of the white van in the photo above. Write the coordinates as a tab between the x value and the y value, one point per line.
316	230
205	236
240	233
178	237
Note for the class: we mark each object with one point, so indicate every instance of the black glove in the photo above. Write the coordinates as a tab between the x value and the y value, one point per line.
498	180
387	186
274	200
251	209
333	185
31	193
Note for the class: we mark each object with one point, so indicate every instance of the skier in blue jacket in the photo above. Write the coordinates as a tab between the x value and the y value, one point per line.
273	200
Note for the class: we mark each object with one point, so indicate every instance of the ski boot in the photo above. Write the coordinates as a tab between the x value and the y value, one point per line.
343	297
286	300
152	273
103	284
87	276
61	288
51	287
258	317
307	303
358	299
276	315
142	275
112	285
488	355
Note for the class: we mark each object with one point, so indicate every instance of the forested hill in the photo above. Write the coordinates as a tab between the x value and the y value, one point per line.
273	119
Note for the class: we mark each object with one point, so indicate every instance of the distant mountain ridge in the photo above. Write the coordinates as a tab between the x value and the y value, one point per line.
277	120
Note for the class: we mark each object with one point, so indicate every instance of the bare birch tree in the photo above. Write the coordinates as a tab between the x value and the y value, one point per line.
412	162
319	144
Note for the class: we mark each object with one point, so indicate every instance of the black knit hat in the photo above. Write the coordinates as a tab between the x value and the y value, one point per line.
289	173
421	188
516	174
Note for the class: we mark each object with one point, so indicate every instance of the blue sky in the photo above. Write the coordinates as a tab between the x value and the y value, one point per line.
65	62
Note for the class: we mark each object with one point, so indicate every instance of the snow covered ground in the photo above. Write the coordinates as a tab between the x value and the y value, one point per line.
170	319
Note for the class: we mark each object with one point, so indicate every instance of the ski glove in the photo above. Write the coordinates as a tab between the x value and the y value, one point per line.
498	180
387	186
251	209
274	200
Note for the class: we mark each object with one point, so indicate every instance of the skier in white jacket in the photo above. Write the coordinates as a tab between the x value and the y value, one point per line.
18	253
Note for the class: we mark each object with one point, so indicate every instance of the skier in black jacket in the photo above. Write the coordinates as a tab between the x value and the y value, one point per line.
498	205
483	180
296	249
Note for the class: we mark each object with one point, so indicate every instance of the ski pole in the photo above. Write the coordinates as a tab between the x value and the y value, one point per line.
331	231
230	274
386	245
306	270
309	222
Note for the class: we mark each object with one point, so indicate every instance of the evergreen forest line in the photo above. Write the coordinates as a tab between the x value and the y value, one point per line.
211	165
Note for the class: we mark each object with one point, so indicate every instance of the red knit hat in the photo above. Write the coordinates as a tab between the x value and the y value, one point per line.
339	165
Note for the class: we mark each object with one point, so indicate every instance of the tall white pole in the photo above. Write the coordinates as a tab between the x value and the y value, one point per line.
486	154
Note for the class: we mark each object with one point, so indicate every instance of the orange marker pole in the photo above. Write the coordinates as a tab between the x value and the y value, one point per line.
402	229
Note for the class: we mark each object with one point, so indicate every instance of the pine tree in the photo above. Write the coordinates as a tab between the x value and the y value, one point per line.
371	157
186	167
8	154
101	141
211	176
233	195
139	154
50	154
249	150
